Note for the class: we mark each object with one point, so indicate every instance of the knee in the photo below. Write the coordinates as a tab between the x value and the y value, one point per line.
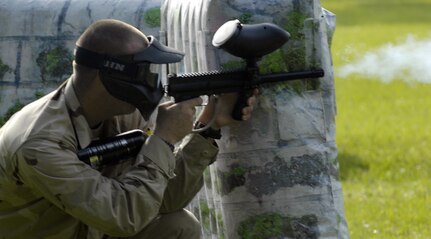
186	224
179	225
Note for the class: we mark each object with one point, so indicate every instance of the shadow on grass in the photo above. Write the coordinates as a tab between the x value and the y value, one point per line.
351	166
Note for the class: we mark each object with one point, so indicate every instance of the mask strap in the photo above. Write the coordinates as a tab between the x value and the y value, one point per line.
104	62
88	58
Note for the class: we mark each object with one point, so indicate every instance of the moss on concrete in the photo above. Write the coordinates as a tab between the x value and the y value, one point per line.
220	225
208	216
237	171
12	110
233	65
268	225
16	107
4	69
205	215
273	63
245	18
207	178
38	94
233	178
152	17
295	53
273	225
55	63
295	25
292	57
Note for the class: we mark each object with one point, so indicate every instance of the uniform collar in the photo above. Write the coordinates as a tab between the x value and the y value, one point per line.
80	124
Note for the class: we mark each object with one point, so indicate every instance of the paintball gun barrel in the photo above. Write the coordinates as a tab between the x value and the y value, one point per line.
250	42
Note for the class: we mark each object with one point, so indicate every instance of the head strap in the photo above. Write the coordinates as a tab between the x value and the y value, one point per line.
155	53
95	60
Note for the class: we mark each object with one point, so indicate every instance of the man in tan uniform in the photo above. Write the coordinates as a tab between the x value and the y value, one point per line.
47	192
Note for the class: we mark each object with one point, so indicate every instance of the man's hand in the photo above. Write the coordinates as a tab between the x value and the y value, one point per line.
226	103
175	120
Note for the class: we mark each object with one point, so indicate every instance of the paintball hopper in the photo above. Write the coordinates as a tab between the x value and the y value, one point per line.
249	41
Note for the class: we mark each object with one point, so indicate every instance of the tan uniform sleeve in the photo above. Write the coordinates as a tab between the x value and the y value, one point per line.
115	207
192	158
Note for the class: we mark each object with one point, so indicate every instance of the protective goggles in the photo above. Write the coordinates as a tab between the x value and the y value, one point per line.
132	78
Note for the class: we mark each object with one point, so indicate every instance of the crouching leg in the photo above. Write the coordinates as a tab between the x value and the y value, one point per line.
177	225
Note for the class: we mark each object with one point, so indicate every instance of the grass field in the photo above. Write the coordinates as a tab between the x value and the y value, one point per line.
383	129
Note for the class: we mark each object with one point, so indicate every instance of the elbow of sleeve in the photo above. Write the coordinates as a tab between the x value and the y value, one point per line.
122	232
125	230
132	225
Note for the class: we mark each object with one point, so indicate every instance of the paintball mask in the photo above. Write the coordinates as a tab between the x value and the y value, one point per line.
134	78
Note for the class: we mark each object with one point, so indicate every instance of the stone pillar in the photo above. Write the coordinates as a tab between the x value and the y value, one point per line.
277	175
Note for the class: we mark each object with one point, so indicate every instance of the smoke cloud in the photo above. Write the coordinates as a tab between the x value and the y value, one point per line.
409	61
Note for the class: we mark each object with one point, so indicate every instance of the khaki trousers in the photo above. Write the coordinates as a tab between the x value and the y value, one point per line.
178	225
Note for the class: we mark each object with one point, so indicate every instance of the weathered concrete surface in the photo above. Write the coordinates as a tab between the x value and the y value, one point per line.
47	30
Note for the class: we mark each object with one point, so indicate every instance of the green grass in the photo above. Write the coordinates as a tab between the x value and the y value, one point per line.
383	129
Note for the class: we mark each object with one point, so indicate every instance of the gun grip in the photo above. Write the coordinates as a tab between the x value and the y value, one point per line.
183	98
240	104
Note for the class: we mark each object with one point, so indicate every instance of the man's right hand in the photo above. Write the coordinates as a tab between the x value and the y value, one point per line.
175	120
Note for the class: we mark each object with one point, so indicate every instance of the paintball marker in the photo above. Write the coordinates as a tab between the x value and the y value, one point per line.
113	150
250	42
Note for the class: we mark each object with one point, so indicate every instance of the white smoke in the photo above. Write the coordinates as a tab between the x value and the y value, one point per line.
408	61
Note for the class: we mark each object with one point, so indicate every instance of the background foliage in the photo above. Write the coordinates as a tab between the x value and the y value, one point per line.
383	129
